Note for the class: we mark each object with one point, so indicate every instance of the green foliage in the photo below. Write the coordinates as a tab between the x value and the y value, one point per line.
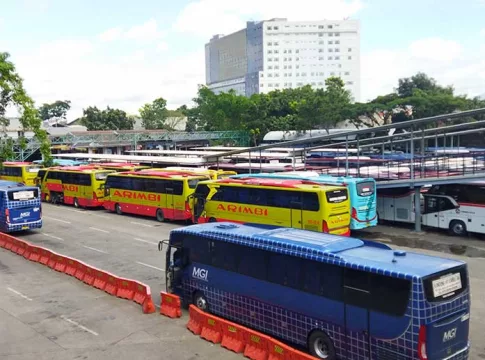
12	93
154	115
108	119
55	110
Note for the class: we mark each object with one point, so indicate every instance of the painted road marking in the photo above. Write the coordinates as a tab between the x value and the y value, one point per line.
100	230
52	236
150	266
141	224
94	249
145	241
19	294
79	325
55	219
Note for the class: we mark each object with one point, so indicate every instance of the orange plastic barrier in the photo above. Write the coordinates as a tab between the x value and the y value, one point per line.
278	351
80	270
34	254
170	305
113	285
45	255
89	276
70	267
100	279
148	306
211	328
194	324
232	336
126	289
60	263
256	345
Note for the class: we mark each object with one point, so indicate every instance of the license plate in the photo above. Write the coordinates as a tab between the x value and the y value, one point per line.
25	227
446	284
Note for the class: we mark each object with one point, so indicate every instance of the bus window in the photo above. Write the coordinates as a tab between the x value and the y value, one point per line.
198	250
193	183
101	175
252	262
365	188
389	295
445	284
23	195
224	255
284	270
336	196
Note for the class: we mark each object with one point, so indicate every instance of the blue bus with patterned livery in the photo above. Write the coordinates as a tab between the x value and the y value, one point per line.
338	297
20	207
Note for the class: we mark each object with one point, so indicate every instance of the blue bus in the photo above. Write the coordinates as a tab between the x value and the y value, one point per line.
20	207
362	191
339	297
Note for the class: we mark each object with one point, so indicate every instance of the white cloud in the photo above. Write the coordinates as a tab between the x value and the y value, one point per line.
162	46
111	34
147	31
205	18
445	60
435	49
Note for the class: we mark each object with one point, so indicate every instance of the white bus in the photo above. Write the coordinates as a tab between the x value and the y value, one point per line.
460	208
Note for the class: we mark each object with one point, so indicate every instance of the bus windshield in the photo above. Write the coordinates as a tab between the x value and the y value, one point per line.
102	175
365	188
23	195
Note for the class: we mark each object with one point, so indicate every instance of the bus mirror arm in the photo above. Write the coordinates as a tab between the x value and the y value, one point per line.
160	244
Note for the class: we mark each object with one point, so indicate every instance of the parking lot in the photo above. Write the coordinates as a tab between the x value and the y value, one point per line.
48	311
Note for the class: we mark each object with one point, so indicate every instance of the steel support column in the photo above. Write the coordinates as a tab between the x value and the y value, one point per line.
417	209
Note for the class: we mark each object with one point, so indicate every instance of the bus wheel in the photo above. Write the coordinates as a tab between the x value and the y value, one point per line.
458	228
212	219
160	216
76	203
200	301
118	209
321	346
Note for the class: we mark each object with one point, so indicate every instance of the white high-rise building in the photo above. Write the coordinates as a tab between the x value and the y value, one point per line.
278	54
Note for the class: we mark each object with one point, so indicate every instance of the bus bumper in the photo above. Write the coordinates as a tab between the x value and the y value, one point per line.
21	227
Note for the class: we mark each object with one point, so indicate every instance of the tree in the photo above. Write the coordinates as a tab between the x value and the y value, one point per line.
12	93
56	110
109	119
154	115
423	82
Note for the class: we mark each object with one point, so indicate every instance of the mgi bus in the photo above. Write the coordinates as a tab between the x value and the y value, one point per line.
340	297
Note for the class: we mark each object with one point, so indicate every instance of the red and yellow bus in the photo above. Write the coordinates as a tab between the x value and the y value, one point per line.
155	193
120	166
81	186
289	203
22	172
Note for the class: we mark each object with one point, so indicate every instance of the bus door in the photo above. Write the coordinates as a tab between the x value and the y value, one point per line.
296	213
169	201
434	208
357	298
173	267
199	199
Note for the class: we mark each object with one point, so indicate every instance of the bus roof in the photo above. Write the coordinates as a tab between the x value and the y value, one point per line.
17	163
161	173
275	182
340	250
6	184
78	168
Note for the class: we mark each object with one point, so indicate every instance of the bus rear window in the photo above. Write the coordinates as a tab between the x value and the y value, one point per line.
101	175
365	188
445	284
336	196
23	195
193	183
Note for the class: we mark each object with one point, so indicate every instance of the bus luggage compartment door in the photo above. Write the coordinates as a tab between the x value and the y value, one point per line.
356	296
447	336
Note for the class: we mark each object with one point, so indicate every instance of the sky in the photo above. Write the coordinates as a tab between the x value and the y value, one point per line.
125	53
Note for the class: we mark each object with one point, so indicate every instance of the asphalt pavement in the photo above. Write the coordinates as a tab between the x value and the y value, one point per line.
128	246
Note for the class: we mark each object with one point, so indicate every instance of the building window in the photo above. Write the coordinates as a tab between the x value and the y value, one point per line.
270	75
276	51
269	28
297	66
276	67
303	74
270	51
320	84
276	75
261	85
321	50
289	66
270	67
337	57
330	42
270	85
330	34
297	59
297	51
321	42
350	57
276	43
313	84
289	51
350	49
330	26
337	42
270	43
320	34
270	59
321	58
276	85
297	74
337	50
285	67
320	26
276	28
321	74
350	83
332	73
337	34
285	51
330	50
312	74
